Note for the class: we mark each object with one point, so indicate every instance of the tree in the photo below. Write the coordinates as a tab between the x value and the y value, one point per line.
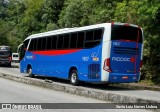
146	14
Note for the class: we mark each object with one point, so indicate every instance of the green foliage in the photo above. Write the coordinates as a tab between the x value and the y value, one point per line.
85	12
146	14
21	18
71	14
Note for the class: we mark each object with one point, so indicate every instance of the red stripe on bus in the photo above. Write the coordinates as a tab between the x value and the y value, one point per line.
121	40
55	52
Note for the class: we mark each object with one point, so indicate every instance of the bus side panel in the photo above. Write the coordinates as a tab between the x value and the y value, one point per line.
87	62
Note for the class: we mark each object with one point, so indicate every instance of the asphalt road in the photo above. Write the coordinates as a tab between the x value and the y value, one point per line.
145	94
14	92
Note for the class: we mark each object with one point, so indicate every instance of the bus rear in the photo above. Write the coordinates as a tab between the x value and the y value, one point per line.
5	55
125	60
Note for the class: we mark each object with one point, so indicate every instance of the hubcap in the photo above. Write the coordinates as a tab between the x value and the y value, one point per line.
30	71
74	77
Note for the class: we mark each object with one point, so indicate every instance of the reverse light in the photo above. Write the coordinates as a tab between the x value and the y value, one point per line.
106	66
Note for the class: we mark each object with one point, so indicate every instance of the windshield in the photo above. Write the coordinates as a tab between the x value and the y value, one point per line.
126	33
5	51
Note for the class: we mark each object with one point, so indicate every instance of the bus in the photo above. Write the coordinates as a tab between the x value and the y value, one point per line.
101	53
5	55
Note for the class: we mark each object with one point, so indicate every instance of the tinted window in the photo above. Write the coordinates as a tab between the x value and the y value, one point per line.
54	42
98	34
80	42
66	41
73	40
31	45
44	43
35	41
39	45
49	43
120	32
93	38
91	44
26	43
89	35
60	42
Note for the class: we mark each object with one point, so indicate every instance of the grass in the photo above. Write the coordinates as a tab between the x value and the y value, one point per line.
148	82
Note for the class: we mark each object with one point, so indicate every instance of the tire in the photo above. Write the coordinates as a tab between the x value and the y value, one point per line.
74	77
30	72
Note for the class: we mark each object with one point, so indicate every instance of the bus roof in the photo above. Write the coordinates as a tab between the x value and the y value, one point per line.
68	30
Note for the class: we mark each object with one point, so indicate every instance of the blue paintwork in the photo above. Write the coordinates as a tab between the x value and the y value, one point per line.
125	68
59	65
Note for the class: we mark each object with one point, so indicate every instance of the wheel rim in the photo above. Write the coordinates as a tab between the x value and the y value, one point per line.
74	77
30	71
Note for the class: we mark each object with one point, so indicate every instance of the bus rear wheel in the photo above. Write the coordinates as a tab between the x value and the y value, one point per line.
30	72
74	77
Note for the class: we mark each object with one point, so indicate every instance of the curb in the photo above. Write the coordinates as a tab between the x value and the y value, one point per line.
137	86
80	91
128	85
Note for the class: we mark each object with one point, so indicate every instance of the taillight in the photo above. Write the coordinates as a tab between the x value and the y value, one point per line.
112	23
126	24
107	64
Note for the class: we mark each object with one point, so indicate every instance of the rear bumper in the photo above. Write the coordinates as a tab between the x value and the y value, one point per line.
123	78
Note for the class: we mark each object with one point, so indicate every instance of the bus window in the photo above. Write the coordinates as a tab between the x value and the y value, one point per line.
93	38
73	40
31	46
98	34
49	43
54	42
35	44
66	41
122	32
80	42
60	42
39	45
26	43
43	43
89	35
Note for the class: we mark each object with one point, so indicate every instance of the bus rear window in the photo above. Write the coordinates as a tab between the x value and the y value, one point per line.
126	33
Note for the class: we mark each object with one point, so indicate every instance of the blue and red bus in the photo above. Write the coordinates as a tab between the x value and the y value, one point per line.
102	53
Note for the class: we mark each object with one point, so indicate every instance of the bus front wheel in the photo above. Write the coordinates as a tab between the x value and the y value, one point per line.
74	78
30	72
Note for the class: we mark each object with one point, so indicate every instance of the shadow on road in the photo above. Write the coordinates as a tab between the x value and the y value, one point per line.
113	87
84	84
